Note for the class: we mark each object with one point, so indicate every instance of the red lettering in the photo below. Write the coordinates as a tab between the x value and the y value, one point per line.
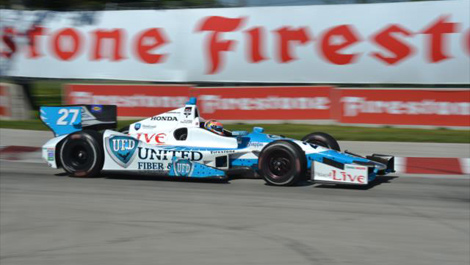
33	34
437	43
398	48
160	138
147	138
330	47
343	177
116	36
148	41
286	37
361	179
255	54
351	177
334	175
8	40
215	46
66	44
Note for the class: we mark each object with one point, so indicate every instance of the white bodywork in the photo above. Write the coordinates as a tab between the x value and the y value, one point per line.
352	174
160	130
49	151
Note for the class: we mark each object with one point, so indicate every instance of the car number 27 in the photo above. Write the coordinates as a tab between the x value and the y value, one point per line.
65	113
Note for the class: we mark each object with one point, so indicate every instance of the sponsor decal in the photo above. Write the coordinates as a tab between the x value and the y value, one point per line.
323	174
149	126
154	138
50	154
223	152
188	111
96	108
151	166
182	167
137	126
345	177
186	121
164	118
165	155
353	174
341	176
122	149
354	167
256	144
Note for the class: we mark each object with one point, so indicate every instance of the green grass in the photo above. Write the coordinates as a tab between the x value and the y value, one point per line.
47	93
298	131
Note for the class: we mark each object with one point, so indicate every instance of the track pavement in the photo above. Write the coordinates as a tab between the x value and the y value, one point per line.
48	218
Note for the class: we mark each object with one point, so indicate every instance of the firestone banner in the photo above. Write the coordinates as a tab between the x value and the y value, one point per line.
446	107
265	103
131	100
450	107
407	43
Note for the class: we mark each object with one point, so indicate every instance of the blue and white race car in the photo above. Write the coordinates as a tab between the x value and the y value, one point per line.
179	143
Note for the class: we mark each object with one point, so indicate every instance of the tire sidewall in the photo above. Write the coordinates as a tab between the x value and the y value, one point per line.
322	139
90	140
296	156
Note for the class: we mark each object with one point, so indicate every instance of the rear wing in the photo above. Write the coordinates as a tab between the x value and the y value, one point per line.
69	119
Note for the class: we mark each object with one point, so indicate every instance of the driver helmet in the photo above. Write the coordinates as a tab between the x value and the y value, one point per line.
215	127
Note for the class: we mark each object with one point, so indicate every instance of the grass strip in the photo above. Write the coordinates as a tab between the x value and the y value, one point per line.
297	131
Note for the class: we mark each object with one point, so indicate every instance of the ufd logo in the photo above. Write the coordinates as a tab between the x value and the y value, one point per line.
122	145
182	167
122	149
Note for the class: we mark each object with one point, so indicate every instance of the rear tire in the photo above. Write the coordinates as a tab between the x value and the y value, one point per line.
282	163
322	139
82	155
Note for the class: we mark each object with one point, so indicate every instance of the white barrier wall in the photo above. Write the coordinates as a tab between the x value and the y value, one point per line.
422	43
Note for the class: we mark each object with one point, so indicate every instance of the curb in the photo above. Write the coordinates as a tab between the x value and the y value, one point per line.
20	153
433	165
404	165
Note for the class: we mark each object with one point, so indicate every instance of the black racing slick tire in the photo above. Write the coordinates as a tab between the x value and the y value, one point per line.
82	155
322	139
282	163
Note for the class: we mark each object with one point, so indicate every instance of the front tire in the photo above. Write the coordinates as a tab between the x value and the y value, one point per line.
282	163
322	139
82	154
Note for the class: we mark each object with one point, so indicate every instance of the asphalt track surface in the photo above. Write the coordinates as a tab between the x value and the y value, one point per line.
49	218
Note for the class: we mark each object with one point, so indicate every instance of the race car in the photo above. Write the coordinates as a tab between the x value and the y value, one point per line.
180	143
